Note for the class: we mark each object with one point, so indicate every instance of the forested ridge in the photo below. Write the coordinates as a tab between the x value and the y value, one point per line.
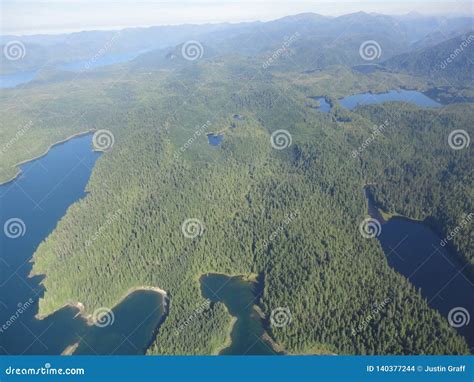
318	265
448	62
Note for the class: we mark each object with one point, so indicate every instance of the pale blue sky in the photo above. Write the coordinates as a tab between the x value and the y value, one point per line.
58	16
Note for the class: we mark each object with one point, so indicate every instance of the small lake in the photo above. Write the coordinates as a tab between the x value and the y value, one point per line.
324	106
9	81
99	62
413	249
39	197
239	296
352	101
215	139
410	96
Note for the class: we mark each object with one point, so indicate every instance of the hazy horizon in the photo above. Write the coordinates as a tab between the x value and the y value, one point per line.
29	17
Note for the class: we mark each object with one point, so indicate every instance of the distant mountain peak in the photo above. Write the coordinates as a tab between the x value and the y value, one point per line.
307	16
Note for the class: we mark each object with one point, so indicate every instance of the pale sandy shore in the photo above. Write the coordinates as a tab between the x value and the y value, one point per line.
70	349
89	317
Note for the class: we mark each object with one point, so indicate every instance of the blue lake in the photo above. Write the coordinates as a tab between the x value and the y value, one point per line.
9	81
352	101
240	297
410	96
39	197
414	250
215	139
106	60
324	106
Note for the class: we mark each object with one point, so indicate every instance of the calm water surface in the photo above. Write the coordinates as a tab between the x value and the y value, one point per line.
352	101
239	296
410	96
413	249
39	197
215	139
9	81
105	60
324	106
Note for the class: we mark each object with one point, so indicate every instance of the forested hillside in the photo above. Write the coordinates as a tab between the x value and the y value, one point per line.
319	266
396	35
162	171
449	60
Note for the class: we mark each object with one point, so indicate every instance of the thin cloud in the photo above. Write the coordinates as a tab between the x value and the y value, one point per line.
59	16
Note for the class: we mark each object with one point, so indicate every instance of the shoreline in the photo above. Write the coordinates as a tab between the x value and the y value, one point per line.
277	348
248	277
253	279
70	349
18	173
228	341
377	211
89	317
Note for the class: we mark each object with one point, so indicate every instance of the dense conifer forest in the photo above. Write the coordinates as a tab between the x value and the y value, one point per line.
162	171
